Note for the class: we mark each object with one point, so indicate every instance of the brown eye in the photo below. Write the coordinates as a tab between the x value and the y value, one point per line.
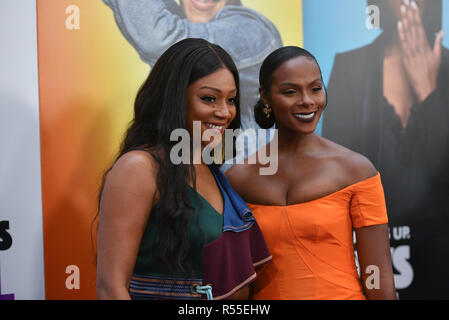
232	101
207	99
317	89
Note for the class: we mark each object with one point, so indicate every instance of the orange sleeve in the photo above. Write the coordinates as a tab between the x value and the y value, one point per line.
368	203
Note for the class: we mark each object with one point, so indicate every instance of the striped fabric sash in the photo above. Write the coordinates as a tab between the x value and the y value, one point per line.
164	288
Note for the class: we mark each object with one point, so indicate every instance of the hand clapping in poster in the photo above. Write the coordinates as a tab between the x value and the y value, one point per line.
420	61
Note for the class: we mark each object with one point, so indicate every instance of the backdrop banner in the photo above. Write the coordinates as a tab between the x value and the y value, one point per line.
90	69
70	71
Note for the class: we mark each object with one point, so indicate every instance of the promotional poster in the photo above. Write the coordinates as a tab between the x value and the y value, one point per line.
89	74
405	139
72	71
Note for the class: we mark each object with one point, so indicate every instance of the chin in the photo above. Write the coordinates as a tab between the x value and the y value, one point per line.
305	129
307	132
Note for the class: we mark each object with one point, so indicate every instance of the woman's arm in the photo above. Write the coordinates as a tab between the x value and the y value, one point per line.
126	202
373	250
370	221
151	28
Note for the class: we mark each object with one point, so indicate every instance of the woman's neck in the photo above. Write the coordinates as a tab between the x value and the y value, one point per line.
290	142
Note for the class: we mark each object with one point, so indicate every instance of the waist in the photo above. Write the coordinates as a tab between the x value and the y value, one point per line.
296	274
278	284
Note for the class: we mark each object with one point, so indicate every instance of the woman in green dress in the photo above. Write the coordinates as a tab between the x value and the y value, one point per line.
171	230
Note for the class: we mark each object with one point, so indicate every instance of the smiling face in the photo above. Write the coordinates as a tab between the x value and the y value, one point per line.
212	100
296	95
201	10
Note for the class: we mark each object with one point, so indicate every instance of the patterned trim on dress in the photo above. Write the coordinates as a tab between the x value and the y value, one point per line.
164	288
238	229
258	263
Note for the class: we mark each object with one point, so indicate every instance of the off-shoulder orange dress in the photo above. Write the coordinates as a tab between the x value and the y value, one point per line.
312	243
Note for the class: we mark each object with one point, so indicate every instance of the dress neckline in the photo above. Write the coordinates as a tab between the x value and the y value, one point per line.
317	199
208	203
221	192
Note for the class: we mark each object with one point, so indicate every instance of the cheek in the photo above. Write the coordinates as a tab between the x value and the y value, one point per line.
281	106
195	109
321	102
233	112
283	102
195	112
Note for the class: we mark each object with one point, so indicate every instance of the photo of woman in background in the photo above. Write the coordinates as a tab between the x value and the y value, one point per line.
321	192
152	26
177	231
389	101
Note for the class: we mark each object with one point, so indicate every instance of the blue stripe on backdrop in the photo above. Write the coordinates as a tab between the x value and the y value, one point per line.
327	24
446	23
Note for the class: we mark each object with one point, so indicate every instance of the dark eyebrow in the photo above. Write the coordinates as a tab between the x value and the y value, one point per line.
215	89
288	84
291	84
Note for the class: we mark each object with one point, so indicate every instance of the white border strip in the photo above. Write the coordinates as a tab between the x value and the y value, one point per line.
22	265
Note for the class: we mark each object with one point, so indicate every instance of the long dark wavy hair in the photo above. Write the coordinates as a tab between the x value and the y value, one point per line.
271	63
161	107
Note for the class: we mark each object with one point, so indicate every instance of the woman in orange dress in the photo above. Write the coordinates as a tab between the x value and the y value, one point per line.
320	193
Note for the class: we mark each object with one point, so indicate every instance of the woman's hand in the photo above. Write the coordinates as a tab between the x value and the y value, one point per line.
421	62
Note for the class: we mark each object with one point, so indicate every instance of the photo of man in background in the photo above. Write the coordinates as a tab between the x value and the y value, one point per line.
389	101
153	26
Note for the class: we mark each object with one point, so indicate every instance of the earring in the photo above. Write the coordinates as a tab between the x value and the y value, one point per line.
267	111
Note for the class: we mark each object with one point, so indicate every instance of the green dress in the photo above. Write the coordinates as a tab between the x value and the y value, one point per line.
224	251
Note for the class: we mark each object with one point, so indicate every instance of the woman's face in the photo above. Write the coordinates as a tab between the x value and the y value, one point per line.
201	10
212	100
296	95
396	6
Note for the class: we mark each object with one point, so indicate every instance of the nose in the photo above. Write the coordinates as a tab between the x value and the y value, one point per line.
223	111
306	100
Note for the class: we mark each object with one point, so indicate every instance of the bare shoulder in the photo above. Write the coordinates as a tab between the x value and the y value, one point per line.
130	191
135	171
354	166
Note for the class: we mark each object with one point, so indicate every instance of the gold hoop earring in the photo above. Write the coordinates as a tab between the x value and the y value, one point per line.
267	110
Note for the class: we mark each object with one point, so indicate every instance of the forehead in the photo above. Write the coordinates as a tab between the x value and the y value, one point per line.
297	70
222	79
